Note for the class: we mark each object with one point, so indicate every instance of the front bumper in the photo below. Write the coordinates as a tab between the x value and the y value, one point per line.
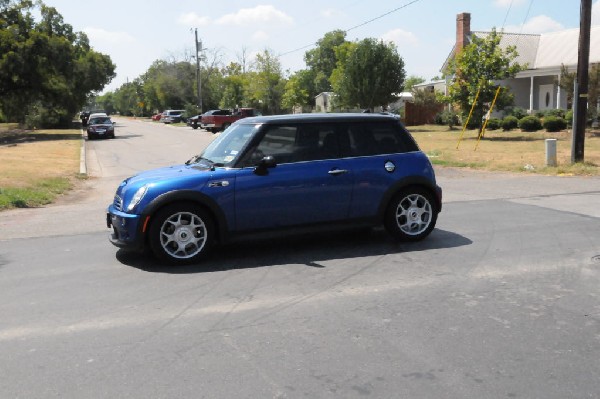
127	230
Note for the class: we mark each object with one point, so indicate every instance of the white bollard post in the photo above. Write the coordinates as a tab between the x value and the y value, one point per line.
551	152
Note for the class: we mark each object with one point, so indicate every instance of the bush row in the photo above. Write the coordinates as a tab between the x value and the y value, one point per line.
529	123
552	121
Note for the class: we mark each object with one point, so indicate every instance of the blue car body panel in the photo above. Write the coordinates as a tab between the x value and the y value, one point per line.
241	199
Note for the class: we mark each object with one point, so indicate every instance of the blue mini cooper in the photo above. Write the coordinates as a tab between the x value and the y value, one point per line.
287	172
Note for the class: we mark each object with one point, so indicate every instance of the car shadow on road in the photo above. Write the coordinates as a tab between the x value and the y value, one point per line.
309	250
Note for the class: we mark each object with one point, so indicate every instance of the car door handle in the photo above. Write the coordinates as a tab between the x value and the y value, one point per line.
336	172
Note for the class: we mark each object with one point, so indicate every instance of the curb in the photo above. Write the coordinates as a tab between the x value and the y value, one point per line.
82	156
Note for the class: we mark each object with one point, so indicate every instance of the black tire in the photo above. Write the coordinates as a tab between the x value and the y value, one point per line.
411	214
194	127
225	126
181	233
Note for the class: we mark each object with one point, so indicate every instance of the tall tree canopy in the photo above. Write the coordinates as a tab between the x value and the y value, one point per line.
266	83
372	75
46	69
322	60
479	67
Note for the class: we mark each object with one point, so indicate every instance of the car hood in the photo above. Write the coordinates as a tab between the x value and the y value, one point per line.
170	173
163	180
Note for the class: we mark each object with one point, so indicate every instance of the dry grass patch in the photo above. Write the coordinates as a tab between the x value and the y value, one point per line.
35	166
506	151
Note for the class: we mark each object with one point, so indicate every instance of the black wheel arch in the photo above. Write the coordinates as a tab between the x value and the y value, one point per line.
188	196
409	181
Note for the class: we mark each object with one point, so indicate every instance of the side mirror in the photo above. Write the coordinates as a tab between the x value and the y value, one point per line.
265	164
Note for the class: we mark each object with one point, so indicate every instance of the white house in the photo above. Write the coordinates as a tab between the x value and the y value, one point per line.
537	87
323	102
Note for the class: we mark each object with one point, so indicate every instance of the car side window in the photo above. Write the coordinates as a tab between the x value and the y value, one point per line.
296	143
378	138
278	142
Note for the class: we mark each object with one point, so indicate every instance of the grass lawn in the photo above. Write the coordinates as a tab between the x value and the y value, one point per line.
36	166
512	151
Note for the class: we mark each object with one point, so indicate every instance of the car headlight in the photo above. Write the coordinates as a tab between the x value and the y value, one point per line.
137	197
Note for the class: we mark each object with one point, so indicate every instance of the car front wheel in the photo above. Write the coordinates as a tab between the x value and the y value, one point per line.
181	233
411	215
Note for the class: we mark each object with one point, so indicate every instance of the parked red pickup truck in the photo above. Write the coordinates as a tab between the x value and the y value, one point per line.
215	123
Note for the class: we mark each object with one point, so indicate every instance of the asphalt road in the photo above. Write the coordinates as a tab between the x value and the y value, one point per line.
501	301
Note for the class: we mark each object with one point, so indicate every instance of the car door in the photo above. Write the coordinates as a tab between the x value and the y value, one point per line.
308	185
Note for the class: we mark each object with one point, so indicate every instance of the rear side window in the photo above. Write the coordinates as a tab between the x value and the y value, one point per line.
378	138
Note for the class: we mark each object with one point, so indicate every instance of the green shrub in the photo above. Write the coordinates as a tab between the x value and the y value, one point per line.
554	123
493	124
530	124
510	122
569	117
560	113
517	112
448	118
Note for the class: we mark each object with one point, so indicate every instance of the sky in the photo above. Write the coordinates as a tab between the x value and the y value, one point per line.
135	33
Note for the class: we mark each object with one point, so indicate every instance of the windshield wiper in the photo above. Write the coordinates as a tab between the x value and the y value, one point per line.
198	159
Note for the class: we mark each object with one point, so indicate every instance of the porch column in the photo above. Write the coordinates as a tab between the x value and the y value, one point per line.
558	93
531	96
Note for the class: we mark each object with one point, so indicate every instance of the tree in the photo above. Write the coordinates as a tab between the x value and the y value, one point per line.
322	60
567	80
296	93
478	68
266	83
165	85
47	70
411	81
235	83
372	75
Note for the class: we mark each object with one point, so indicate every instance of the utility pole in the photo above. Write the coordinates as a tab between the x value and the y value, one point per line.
581	92
198	79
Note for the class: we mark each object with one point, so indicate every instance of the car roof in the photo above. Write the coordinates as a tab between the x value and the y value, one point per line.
321	118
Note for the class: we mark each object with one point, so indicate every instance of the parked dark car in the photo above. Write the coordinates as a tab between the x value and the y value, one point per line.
195	121
281	173
100	127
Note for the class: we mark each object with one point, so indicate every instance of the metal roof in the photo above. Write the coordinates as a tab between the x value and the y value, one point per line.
563	48
546	50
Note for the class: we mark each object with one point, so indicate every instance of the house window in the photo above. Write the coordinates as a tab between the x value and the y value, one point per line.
547	99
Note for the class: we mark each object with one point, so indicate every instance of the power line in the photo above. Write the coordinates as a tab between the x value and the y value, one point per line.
356	26
506	16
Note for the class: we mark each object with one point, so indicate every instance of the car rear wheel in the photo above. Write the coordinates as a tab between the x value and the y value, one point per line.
181	233
411	215
225	126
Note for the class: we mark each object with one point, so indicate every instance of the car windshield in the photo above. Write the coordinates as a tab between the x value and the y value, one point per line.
225	148
100	121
